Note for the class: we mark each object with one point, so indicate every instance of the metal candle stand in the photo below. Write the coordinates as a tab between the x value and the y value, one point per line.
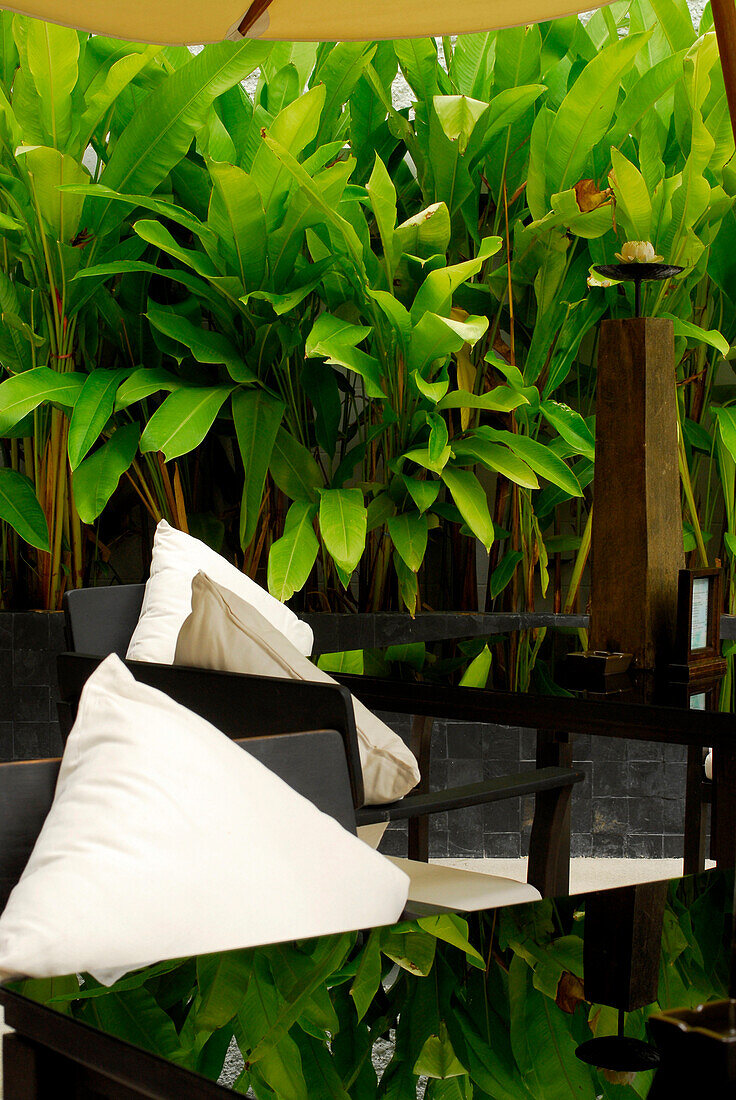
638	274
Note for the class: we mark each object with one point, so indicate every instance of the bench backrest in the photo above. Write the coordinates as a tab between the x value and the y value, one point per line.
238	705
312	763
102	620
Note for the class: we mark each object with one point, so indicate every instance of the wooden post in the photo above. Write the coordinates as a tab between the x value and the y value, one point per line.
420	744
637	529
549	844
724	20
623	942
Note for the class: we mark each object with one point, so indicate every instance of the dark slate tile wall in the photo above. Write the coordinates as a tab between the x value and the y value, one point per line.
632	802
29	644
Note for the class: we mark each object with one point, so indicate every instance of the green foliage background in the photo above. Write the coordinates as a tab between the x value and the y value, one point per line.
492	1010
342	340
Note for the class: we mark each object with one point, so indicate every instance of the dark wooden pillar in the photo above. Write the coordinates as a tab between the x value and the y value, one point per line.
637	524
420	744
549	844
623	942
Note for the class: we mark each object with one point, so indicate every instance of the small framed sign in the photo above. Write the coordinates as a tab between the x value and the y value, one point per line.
697	649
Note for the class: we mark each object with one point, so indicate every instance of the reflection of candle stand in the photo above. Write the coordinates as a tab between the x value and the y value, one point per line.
622	948
636	553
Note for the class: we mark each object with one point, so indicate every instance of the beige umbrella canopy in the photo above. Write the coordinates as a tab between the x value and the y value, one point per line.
194	22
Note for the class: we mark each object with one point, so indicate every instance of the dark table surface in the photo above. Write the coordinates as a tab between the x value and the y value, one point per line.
555	973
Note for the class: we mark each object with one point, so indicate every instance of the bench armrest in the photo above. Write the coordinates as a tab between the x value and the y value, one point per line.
473	794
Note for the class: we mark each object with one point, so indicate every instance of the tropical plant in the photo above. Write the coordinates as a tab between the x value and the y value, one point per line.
491	1009
264	277
76	108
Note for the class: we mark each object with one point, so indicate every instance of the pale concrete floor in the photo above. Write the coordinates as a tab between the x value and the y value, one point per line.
585	874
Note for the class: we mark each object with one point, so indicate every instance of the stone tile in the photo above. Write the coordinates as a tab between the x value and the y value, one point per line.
673	846
30	630
31	704
30	667
646	750
393	844
674	780
466	835
610	779
673	815
439	845
503	846
502	743
502	817
6	630
464	741
583	747
675	754
6	685
582	813
610	748
460	772
6	741
439	823
581	844
31	740
56	741
607	845
646	815
639	846
437	774
610	815
57	636
647	779
528	744
438	749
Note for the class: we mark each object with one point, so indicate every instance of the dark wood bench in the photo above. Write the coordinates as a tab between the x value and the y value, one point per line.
102	620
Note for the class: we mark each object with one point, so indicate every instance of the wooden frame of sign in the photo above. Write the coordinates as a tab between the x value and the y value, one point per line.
697	648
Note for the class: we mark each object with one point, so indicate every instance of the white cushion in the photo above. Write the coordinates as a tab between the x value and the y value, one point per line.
226	633
166	839
167	600
709	765
465	891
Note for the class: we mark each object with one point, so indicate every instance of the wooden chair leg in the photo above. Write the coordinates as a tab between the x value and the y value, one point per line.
420	743
549	844
695	817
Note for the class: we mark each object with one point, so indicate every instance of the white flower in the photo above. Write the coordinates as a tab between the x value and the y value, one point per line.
638	252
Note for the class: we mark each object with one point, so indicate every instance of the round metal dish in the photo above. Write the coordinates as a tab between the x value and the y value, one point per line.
620	1054
637	274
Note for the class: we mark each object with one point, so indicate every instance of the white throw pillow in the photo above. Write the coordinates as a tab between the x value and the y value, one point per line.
227	633
167	600
166	839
